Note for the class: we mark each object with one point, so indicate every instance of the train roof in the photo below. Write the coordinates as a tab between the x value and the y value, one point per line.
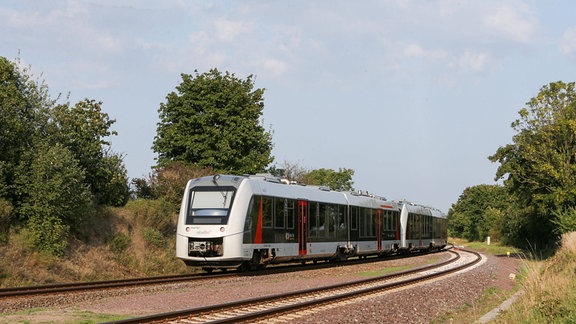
275	186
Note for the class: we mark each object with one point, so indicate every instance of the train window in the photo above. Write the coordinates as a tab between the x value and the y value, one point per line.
354	210
366	222
324	220
290	213
267	212
209	205
280	212
313	218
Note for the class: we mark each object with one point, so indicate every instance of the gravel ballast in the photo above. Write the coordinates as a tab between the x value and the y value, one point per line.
420	304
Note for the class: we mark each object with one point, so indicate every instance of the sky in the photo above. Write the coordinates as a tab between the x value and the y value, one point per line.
414	96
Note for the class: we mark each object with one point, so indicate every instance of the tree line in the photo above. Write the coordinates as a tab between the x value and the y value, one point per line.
537	199
57	167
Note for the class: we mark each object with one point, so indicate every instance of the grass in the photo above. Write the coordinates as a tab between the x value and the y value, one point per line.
381	272
549	288
119	244
495	248
63	316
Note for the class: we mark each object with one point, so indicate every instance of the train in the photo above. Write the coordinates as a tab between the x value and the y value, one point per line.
251	221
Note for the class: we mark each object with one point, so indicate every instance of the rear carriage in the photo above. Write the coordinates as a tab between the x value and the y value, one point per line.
243	221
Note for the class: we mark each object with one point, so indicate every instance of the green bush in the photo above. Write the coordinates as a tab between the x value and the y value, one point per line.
48	234
153	237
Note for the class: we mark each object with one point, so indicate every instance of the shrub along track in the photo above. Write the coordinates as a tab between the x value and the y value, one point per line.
285	304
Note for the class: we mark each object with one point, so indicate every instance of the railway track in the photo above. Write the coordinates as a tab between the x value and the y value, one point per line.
261	309
96	285
123	283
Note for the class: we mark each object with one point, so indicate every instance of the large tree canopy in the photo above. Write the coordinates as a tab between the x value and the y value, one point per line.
539	168
213	120
24	105
84	129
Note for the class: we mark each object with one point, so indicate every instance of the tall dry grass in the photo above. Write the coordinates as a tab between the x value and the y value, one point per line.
133	241
549	289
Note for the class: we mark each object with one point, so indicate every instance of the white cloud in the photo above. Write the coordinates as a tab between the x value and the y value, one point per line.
472	61
229	30
415	50
568	43
515	21
276	66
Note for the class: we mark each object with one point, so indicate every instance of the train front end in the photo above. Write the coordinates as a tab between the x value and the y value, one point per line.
210	224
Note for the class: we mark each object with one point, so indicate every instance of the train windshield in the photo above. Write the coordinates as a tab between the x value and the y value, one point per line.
209	205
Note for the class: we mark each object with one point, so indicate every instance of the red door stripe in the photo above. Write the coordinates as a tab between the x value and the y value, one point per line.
258	238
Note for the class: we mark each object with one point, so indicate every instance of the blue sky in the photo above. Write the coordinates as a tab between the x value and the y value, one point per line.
412	95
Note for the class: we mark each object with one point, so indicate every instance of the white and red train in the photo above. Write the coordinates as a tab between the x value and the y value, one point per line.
247	221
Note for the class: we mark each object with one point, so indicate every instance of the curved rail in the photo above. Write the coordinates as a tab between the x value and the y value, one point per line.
260	308
120	283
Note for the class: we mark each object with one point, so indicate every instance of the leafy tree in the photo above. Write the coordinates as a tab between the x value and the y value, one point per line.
51	156
24	105
539	168
213	121
341	180
478	212
84	129
54	196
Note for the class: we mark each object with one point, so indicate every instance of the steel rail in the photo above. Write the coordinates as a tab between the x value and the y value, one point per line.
275	310
118	283
72	287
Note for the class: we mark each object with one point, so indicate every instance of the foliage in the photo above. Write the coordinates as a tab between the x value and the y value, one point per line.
213	121
478	212
336	180
5	215
54	158
53	195
24	105
539	168
83	129
153	237
565	220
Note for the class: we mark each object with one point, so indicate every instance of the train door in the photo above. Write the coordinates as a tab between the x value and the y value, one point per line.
302	227
379	229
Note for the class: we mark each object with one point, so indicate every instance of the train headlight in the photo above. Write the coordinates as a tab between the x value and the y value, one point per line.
222	229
